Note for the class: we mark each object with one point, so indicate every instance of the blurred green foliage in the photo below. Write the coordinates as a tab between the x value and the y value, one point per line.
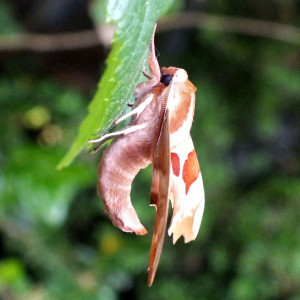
55	240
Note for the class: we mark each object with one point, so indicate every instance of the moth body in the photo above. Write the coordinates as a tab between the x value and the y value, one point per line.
158	133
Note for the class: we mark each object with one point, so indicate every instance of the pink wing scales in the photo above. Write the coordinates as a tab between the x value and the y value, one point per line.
187	192
160	195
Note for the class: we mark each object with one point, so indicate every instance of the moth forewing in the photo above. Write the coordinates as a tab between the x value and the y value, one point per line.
160	190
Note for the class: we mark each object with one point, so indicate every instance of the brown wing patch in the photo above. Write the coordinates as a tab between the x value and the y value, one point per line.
185	92
175	163
190	170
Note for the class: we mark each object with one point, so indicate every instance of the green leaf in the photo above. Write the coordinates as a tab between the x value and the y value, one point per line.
135	22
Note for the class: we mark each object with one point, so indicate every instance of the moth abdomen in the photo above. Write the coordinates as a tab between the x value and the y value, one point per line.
121	162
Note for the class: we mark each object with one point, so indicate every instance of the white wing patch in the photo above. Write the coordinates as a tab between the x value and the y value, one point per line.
187	193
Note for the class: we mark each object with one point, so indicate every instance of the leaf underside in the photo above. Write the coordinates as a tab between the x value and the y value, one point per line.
135	21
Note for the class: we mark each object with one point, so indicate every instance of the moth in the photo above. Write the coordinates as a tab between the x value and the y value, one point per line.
158	133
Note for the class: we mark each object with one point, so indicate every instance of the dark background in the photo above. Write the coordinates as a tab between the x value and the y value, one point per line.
55	240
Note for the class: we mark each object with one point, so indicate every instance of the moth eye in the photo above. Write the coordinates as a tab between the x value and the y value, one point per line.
166	79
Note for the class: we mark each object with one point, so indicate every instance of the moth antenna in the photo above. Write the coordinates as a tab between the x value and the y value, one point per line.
152	60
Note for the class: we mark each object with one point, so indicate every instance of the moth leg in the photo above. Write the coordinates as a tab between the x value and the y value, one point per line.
125	131
136	110
146	74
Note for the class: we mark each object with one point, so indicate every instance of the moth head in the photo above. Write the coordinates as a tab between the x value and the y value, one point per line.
173	74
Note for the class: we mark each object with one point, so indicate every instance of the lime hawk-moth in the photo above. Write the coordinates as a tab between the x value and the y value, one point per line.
159	133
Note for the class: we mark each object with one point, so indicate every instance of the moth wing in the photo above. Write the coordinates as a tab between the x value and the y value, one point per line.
160	194
187	192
